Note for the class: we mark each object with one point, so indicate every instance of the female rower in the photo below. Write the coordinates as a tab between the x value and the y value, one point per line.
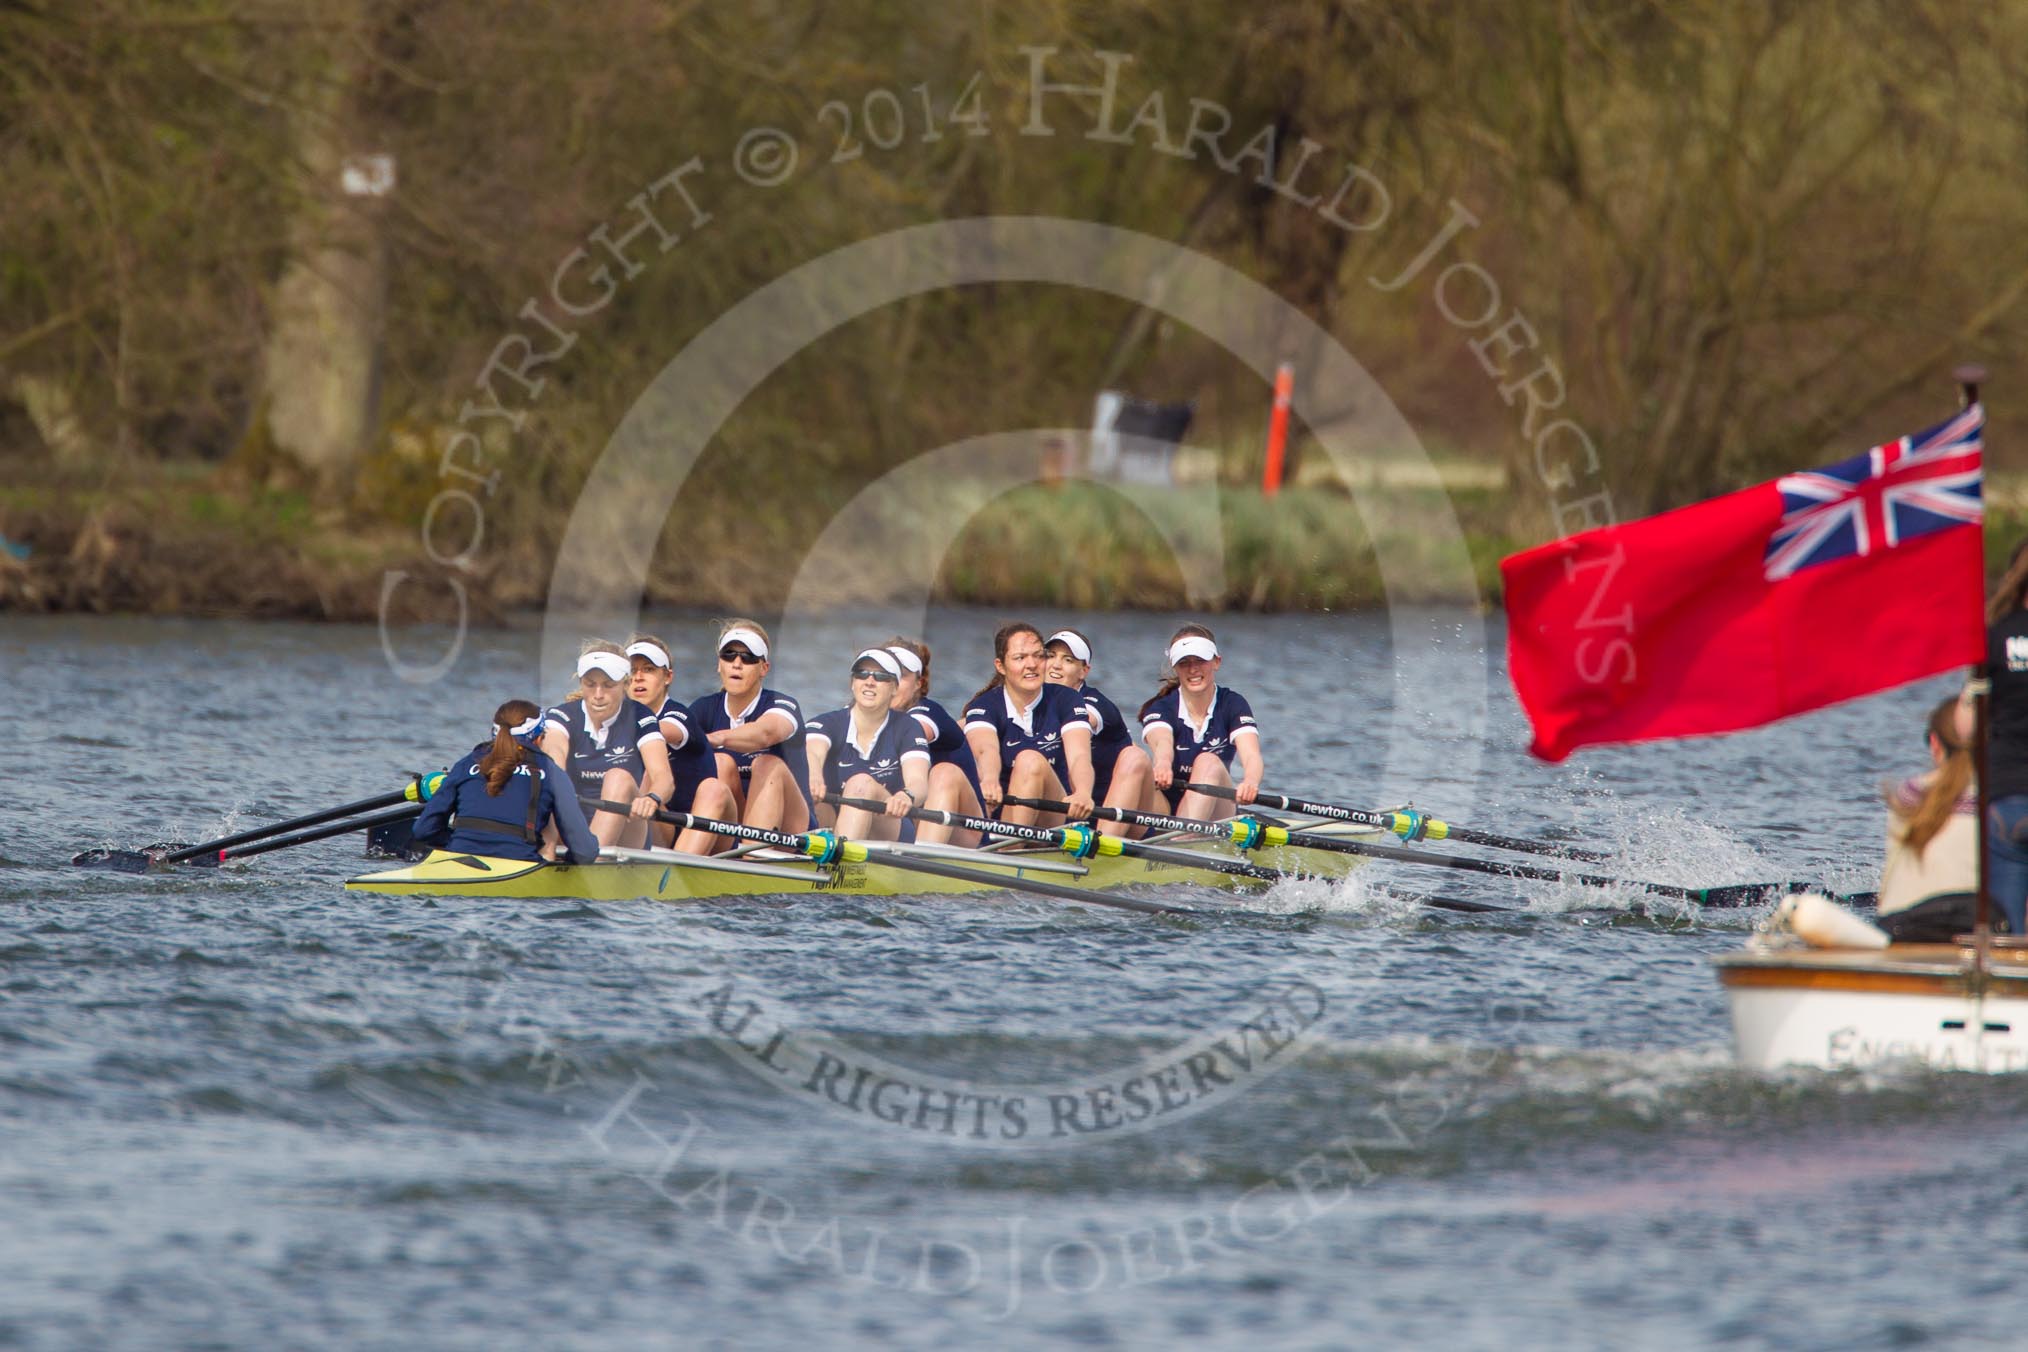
1930	881
1030	738
954	771
499	799
868	750
757	733
1195	725
611	746
692	762
1119	768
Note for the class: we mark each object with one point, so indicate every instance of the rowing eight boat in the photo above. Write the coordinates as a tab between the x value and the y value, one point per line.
664	875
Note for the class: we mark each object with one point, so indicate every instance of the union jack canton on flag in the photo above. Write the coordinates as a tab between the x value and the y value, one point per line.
1897	491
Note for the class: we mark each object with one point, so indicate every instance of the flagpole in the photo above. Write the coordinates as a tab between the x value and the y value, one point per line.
1968	378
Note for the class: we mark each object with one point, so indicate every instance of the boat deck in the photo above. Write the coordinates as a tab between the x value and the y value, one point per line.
1910	968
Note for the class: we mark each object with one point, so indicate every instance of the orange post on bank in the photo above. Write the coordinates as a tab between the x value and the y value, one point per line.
1278	431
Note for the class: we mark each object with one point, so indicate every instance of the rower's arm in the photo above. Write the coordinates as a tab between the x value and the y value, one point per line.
1077	755
1161	752
556	744
1253	766
817	752
565	812
432	826
661	779
915	772
985	744
771	728
1077	759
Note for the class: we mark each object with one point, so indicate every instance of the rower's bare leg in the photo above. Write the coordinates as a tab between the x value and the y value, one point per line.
772	798
613	828
734	784
1132	776
1207	769
856	823
949	791
1032	776
713	801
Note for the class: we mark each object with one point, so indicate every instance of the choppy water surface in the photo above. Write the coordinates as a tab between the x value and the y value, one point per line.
243	1107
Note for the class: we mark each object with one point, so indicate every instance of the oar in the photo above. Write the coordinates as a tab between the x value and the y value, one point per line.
1222	830
137	861
1083	842
1739	894
826	847
1079	841
1248	834
1410	826
305	837
1731	894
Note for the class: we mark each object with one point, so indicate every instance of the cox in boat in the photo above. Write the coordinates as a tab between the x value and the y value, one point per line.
504	796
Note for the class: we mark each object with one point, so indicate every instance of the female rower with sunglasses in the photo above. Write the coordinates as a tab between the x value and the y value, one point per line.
1032	739
868	750
1119	768
954	771
610	745
757	733
1194	726
692	762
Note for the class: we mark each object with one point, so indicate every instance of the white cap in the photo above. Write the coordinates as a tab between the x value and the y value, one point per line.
907	658
755	644
1078	647
1192	645
652	651
521	729
884	658
612	664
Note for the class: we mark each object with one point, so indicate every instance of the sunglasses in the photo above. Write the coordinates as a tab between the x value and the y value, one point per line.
872	674
739	655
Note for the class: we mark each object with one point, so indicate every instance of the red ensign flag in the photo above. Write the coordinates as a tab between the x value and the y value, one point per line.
1777	599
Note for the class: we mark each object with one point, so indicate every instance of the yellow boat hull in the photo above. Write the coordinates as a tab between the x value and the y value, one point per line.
446	874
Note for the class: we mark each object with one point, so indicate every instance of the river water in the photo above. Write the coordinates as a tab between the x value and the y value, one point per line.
245	1108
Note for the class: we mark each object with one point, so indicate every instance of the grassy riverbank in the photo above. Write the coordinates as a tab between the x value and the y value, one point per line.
187	541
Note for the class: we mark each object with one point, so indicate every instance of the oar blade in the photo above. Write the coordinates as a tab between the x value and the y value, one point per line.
1758	894
114	861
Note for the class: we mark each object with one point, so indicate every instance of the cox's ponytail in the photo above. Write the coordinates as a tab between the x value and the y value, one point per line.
507	754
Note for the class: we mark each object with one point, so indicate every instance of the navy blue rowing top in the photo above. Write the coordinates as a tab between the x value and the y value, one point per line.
709	714
616	746
1111	735
1231	718
947	744
900	738
1055	707
691	758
